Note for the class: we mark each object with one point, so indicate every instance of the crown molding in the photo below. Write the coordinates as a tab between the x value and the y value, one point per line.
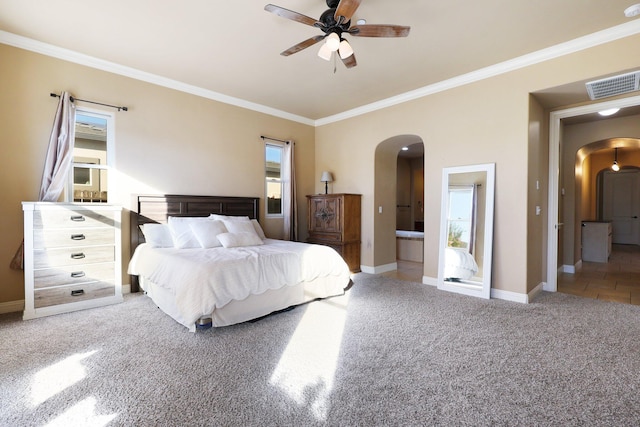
572	46
605	36
112	67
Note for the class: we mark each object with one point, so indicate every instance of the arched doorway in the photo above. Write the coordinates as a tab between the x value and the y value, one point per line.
600	194
389	201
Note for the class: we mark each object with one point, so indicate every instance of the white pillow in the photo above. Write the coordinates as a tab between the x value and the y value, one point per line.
157	235
206	232
228	217
183	237
235	226
258	229
234	240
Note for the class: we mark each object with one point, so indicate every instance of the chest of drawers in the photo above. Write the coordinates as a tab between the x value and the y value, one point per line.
72	257
334	220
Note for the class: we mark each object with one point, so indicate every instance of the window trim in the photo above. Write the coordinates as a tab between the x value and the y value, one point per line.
267	180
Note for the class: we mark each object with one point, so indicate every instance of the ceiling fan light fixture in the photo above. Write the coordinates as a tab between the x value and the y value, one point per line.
345	49
333	42
325	52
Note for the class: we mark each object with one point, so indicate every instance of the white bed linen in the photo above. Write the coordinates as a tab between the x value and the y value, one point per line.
202	280
459	264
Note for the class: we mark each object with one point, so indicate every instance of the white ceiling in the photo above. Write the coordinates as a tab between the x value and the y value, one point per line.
232	47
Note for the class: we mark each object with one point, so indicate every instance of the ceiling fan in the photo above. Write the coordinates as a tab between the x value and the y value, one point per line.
334	23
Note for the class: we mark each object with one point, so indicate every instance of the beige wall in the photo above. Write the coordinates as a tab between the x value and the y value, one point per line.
483	122
537	190
172	142
168	142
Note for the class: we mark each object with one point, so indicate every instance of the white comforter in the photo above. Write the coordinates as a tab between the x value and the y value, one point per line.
205	279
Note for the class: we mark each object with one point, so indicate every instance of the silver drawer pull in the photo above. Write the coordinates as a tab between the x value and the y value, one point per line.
76	274
79	255
77	292
78	218
77	237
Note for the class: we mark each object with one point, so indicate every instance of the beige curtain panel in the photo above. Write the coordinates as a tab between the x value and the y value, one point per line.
58	162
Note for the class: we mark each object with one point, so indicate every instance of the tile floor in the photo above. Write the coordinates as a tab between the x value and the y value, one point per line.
407	271
617	280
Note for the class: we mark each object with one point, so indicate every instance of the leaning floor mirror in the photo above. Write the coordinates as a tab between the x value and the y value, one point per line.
466	230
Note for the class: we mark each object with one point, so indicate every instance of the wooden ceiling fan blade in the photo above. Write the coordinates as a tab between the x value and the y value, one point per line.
302	45
290	14
350	61
346	9
379	30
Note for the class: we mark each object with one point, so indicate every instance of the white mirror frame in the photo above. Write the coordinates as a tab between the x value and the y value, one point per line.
477	289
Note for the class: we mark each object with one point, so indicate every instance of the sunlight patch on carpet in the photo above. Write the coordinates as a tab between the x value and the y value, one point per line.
82	414
53	379
307	367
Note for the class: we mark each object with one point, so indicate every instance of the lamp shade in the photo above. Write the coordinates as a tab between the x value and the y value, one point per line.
325	52
345	49
333	42
326	177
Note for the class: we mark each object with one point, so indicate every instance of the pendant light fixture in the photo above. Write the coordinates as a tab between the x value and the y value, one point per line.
615	167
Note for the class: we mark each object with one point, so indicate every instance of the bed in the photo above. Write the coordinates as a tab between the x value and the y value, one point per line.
459	264
202	282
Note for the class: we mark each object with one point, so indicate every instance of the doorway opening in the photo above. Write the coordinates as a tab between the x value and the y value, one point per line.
399	204
559	230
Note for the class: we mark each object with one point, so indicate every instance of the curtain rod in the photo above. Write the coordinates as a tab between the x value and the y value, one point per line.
54	95
274	139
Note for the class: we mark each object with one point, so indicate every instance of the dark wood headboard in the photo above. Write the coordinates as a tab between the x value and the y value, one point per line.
157	208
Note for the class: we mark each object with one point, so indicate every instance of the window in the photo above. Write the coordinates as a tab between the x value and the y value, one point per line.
461	217
273	175
92	154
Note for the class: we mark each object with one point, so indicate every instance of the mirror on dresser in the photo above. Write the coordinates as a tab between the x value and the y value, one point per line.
466	229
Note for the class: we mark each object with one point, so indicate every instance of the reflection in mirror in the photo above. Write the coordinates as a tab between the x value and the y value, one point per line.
90	159
467	229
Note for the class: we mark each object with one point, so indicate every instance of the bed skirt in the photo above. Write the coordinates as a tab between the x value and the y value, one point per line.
252	307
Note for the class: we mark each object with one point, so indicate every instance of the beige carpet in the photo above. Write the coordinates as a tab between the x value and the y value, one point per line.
387	353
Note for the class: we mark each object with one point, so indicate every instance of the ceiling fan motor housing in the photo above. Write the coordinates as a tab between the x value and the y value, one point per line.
329	23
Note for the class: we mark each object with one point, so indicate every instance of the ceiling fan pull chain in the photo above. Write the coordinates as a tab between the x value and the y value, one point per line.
335	62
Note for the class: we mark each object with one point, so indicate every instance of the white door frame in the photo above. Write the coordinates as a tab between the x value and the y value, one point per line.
554	170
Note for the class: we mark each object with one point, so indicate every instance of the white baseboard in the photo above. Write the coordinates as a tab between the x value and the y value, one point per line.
509	296
11	306
535	291
126	288
431	281
379	269
570	269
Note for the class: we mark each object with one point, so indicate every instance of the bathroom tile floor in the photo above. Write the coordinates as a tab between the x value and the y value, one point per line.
407	271
617	280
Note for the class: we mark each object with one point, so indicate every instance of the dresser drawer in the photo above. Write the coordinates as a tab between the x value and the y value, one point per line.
325	237
72	237
68	218
46	258
72	274
68	294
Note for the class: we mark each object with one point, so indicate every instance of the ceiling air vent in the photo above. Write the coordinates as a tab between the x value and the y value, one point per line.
612	86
